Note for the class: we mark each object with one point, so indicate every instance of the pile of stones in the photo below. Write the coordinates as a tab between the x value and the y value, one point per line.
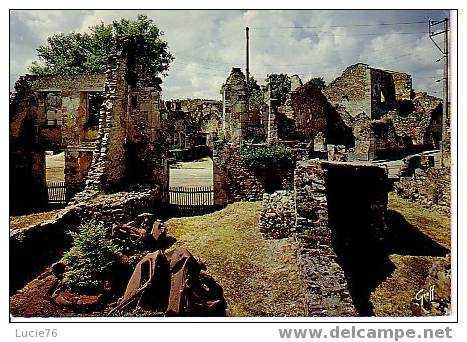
277	217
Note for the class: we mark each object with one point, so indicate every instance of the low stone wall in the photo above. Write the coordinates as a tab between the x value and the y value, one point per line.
37	246
234	181
327	293
277	219
430	187
340	226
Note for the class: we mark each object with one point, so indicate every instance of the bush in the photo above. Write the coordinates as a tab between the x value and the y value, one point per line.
90	258
263	156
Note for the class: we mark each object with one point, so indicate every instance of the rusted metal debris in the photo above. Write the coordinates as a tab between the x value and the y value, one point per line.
175	284
144	233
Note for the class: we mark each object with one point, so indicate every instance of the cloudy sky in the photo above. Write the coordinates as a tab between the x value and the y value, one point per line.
207	44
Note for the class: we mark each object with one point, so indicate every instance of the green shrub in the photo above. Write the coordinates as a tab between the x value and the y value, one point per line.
263	156
220	136
90	258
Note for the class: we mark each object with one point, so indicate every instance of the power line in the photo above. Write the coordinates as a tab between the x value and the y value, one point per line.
342	26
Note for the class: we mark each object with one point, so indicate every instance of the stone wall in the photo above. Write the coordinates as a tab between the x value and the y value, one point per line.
192	122
327	292
376	139
277	219
362	89
77	164
423	122
430	187
383	95
81	82
234	181
38	124
403	85
131	145
352	90
340	222
313	115
235	116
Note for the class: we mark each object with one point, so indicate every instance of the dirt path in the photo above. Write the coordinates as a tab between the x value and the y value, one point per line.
197	173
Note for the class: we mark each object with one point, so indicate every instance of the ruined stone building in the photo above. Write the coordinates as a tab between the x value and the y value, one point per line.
362	89
193	122
384	112
52	113
110	126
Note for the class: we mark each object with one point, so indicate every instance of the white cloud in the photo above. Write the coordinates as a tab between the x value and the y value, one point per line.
207	44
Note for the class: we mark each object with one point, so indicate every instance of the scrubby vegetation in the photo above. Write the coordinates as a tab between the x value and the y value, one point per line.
264	156
90	258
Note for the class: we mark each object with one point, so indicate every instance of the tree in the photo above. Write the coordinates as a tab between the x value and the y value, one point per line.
256	94
77	53
280	87
91	257
319	82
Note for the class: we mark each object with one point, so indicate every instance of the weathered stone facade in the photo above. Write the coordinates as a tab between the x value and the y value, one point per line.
420	120
193	122
314	117
235	114
131	145
362	89
403	85
352	90
50	113
115	116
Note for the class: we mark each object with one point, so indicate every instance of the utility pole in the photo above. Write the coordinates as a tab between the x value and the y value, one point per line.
247	33
445	52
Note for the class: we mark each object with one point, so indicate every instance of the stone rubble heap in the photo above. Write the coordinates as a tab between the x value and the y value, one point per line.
277	218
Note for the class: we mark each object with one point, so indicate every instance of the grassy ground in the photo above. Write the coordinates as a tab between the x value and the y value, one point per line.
393	297
259	277
24	221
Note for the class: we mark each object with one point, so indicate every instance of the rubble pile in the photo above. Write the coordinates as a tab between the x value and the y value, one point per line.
163	282
278	214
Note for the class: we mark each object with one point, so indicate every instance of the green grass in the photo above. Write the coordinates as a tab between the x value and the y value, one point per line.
393	296
259	277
